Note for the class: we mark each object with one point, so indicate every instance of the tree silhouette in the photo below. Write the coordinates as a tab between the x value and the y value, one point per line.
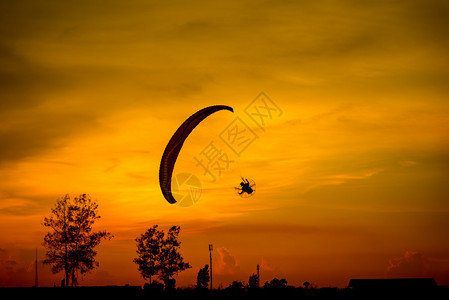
306	284
236	285
149	246
171	261
276	283
202	279
71	243
253	281
159	255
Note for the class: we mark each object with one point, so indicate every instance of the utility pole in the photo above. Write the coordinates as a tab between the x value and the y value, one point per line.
36	282
211	248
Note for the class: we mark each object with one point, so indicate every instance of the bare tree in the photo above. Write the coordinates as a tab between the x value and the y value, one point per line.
71	243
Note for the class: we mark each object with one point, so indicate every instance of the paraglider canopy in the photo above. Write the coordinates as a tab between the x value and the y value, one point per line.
175	144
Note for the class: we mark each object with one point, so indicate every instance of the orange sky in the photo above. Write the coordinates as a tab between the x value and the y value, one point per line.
352	177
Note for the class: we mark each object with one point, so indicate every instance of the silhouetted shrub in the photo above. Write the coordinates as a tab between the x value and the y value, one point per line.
236	285
275	283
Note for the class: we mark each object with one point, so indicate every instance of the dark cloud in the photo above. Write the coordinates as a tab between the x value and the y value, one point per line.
430	21
14	269
227	263
182	53
29	133
416	264
411	264
26	129
27	87
23	83
36	207
23	203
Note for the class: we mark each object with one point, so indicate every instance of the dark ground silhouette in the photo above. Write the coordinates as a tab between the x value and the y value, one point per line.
137	292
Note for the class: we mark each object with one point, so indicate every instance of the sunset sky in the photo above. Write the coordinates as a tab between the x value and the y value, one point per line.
351	168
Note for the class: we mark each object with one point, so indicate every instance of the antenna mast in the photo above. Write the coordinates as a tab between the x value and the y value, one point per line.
211	248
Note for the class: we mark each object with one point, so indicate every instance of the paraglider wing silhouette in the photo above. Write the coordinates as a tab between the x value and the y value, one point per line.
175	144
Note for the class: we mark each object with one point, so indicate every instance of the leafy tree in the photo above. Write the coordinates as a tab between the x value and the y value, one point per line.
306	284
253	281
171	261
203	278
236	285
159	255
276	283
71	243
149	247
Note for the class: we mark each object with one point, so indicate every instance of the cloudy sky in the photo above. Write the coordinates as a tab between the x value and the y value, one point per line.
351	169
